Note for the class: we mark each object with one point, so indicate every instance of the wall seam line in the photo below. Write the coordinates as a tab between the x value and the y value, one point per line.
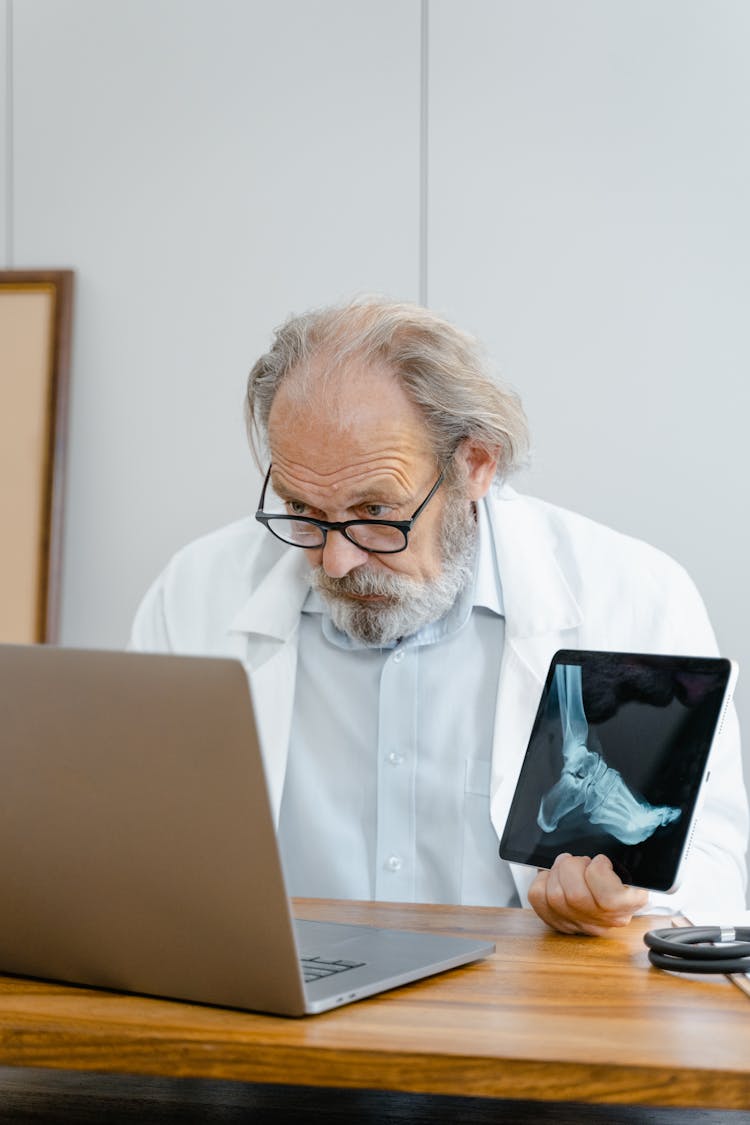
9	145
424	105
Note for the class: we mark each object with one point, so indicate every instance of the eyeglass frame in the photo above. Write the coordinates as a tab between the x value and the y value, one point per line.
404	526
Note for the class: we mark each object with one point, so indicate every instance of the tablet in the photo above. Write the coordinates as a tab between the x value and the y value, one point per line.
617	760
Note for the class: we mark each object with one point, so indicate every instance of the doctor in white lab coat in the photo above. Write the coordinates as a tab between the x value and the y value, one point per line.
350	441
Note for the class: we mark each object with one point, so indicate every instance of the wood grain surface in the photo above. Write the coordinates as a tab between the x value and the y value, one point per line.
547	1018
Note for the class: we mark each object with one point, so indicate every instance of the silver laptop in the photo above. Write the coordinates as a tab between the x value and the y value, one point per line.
138	847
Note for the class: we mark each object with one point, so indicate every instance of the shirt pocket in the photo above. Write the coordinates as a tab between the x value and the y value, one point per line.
477	782
486	880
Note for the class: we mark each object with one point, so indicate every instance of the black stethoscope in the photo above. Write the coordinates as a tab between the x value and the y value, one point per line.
700	949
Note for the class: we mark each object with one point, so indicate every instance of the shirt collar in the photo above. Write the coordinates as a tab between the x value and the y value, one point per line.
485	592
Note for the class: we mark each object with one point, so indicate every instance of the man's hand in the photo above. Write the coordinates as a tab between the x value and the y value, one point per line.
579	895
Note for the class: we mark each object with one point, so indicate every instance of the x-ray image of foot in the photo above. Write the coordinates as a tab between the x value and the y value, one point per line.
587	783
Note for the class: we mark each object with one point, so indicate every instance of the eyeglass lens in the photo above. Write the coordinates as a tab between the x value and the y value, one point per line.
371	537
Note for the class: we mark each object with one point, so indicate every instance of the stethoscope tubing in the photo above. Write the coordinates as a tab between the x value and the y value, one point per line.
700	949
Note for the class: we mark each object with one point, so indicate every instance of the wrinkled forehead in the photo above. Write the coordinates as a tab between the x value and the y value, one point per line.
353	396
352	428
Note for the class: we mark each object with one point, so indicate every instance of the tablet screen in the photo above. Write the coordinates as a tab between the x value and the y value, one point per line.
616	759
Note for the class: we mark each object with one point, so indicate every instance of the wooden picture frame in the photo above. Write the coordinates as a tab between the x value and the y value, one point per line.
35	332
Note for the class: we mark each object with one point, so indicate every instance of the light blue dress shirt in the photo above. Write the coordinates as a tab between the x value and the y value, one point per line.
387	787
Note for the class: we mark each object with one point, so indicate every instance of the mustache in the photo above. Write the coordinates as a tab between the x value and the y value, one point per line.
361	582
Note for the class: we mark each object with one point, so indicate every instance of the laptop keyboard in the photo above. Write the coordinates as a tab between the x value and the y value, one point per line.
317	968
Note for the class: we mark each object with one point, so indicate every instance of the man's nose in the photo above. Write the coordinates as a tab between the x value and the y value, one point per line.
340	555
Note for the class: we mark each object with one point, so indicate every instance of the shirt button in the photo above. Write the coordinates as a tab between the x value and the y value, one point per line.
395	759
398	656
394	863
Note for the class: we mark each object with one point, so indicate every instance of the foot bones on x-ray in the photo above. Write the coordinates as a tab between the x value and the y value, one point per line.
587	783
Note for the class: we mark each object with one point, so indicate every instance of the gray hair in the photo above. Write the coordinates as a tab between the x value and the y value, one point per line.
440	367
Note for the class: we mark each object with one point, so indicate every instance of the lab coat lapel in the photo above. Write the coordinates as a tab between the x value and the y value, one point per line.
267	631
272	688
541	616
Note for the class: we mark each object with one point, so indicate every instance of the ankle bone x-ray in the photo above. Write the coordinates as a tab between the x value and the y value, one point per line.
587	783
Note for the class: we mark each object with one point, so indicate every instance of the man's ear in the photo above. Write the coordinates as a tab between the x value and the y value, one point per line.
480	466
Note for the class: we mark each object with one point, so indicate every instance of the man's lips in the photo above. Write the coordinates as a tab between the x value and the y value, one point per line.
361	599
368	597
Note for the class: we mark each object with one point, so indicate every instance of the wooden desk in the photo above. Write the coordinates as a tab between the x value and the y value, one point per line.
548	1018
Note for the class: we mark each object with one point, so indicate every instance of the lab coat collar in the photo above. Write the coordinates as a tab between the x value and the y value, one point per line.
488	583
274	606
536	594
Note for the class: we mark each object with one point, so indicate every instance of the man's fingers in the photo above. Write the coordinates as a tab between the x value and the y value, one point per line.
612	897
583	895
548	896
567	892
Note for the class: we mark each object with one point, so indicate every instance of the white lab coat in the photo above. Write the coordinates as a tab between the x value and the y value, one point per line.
567	583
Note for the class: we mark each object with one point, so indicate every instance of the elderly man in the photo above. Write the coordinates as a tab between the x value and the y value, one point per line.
396	605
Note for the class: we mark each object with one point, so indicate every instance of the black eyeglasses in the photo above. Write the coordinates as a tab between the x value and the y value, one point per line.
381	537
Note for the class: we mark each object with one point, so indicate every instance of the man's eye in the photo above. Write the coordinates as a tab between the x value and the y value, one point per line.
296	508
377	511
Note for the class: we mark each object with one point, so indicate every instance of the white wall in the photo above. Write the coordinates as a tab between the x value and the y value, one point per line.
208	167
602	250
